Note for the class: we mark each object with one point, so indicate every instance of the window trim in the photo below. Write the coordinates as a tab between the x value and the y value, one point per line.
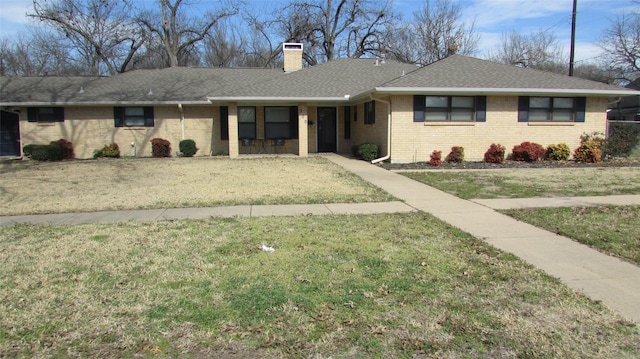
479	109
120	118
34	114
370	112
292	123
578	111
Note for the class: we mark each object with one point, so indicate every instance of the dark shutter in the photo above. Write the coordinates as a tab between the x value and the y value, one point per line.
293	122
481	108
418	108
148	117
32	114
58	114
118	116
347	122
581	106
373	112
224	123
523	109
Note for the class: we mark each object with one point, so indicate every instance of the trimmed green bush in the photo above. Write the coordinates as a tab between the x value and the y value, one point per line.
27	150
160	147
188	148
368	151
456	155
495	154
110	151
66	147
46	153
559	152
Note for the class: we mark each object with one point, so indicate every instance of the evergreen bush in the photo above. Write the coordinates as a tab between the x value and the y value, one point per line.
188	148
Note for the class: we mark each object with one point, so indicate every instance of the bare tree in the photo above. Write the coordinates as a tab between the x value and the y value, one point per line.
538	50
179	34
436	32
101	31
621	42
334	28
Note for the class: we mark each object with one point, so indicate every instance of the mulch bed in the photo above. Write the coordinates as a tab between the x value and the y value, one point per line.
510	164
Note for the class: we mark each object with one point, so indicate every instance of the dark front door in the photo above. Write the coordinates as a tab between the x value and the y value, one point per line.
9	134
327	129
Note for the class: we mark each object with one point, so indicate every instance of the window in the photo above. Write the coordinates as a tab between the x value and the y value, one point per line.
347	122
551	109
133	116
281	122
247	122
449	108
224	123
45	114
369	113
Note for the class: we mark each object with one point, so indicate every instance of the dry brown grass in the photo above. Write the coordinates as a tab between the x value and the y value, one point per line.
75	186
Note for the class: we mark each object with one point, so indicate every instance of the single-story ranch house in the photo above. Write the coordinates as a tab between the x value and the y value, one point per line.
408	111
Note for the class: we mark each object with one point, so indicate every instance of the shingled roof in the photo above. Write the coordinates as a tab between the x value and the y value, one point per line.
341	80
467	75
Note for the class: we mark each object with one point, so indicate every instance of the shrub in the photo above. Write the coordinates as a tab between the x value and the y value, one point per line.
354	151
368	151
559	152
495	154
111	151
456	154
46	153
188	148
160	147
590	149
28	150
66	147
528	151
436	158
623	139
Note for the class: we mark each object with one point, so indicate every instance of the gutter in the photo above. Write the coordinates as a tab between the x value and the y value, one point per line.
615	101
345	98
384	158
503	91
181	119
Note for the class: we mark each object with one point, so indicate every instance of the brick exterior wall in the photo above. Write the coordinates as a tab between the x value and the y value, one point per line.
414	141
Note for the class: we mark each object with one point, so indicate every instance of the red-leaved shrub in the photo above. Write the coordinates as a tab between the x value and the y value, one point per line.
436	158
528	151
66	147
495	154
160	147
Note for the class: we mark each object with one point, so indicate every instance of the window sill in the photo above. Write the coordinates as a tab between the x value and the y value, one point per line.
449	123
46	123
136	128
551	123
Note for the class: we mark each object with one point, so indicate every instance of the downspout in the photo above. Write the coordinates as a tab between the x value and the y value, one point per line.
384	158
181	119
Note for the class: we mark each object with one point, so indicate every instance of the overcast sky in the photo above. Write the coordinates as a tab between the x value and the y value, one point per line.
492	18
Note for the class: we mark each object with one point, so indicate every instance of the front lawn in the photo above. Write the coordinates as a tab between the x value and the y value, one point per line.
612	230
374	286
539	182
30	187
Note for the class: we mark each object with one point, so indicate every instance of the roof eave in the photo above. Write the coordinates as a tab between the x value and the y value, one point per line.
345	98
101	103
504	91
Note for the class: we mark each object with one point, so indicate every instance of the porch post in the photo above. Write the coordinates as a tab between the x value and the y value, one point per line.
303	131
234	150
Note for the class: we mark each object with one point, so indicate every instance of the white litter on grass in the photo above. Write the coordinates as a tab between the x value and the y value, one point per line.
268	249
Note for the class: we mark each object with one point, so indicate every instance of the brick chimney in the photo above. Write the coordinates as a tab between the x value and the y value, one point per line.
292	52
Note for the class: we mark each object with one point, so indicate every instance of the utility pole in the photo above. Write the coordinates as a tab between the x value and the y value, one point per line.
573	37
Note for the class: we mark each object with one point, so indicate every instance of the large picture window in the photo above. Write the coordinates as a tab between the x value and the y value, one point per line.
133	116
45	114
551	109
281	122
449	108
246	122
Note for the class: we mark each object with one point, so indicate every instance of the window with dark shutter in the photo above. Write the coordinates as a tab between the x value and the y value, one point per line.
45	114
551	109
133	116
369	113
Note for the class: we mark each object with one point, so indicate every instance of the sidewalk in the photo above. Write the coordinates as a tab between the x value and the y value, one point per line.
614	282
207	212
516	203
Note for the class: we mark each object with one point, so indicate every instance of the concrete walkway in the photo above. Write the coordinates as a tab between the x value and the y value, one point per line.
207	212
516	203
614	282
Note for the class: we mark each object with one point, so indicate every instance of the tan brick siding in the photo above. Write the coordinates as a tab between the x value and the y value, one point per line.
414	141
